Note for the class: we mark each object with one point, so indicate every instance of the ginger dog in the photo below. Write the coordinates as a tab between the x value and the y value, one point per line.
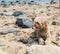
42	30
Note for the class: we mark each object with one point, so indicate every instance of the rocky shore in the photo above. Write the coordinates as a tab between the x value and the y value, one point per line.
17	40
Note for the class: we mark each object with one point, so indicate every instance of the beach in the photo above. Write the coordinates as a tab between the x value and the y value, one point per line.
17	40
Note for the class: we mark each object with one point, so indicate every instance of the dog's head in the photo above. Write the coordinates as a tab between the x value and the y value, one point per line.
41	27
37	25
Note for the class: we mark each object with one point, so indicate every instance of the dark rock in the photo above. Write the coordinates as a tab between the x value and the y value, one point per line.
53	23
17	13
31	2
5	10
24	22
1	14
52	2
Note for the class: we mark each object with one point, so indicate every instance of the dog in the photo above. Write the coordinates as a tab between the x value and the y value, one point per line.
42	30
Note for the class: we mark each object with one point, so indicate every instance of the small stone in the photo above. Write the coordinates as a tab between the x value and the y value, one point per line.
24	22
17	13
53	23
31	16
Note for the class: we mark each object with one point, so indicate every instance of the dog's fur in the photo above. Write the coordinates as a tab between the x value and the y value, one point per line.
42	30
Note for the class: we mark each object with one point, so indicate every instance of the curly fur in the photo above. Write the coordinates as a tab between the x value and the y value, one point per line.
42	30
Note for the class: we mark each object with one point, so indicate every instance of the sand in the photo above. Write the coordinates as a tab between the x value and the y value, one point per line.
8	41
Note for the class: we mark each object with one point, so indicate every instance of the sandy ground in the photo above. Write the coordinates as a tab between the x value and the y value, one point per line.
10	42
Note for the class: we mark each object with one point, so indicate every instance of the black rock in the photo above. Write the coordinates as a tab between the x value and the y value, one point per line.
53	23
24	22
17	13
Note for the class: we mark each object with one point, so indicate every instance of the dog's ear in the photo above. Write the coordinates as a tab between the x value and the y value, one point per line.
45	26
37	25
